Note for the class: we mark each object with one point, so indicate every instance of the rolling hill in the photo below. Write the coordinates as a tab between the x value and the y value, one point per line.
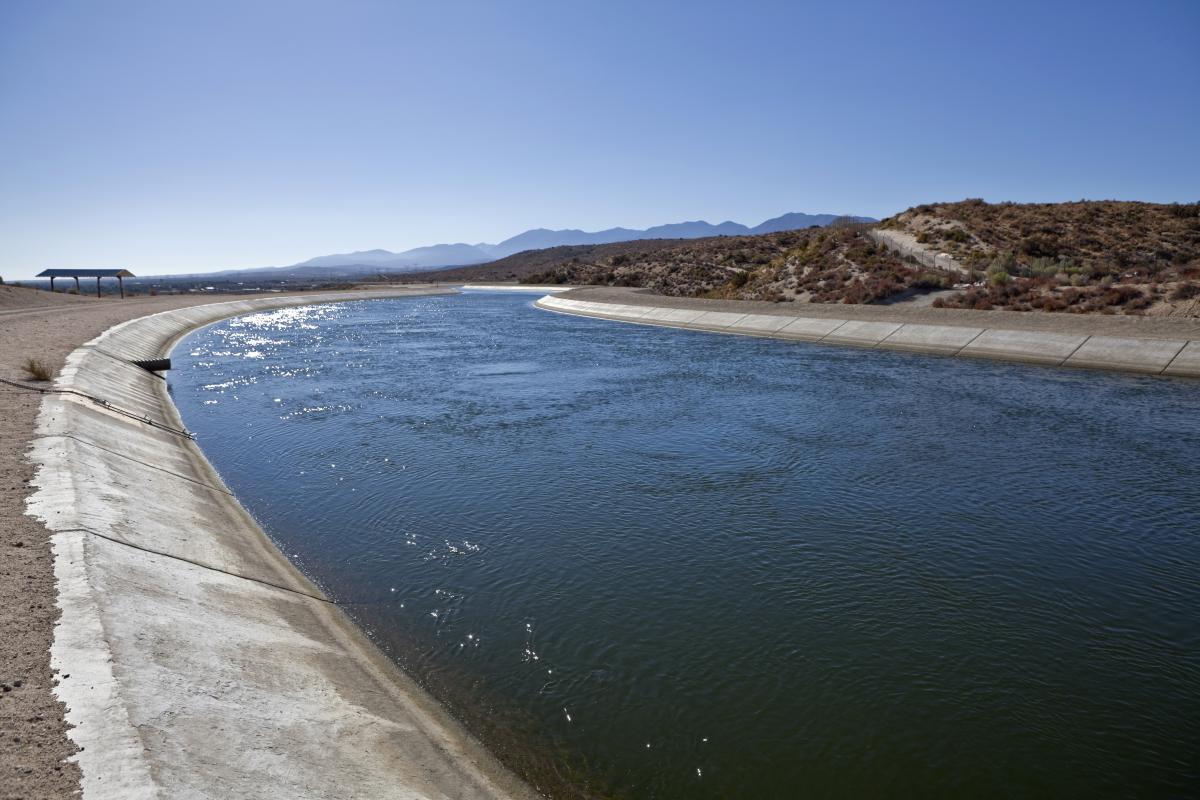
367	263
1109	257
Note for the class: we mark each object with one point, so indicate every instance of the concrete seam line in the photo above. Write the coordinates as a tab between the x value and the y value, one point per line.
1172	359
199	564
134	460
968	344
1086	339
899	328
102	403
835	330
124	361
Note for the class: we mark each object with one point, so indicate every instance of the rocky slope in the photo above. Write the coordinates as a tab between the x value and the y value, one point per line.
1089	256
838	264
1086	257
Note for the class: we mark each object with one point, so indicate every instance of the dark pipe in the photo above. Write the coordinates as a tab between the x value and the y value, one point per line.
154	364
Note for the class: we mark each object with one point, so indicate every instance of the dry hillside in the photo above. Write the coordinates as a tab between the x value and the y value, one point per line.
826	265
1089	256
521	266
1085	257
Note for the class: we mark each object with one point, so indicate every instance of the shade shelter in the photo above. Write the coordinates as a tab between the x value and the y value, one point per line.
119	274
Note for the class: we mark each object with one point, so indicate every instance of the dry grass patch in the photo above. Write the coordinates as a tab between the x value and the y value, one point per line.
36	370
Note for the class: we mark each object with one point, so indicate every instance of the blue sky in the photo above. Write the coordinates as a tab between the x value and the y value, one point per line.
172	137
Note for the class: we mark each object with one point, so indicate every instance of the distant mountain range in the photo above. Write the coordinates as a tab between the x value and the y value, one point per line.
366	262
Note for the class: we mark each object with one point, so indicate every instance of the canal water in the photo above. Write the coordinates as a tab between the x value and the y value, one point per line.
654	563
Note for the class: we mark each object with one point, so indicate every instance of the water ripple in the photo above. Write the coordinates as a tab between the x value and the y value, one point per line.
669	564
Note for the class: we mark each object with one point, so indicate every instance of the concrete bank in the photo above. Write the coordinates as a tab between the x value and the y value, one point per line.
195	660
523	288
1079	342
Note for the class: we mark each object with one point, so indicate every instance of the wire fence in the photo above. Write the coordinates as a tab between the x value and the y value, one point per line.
939	261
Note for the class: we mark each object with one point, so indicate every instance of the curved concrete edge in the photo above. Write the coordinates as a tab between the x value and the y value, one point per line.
1171	357
194	659
529	288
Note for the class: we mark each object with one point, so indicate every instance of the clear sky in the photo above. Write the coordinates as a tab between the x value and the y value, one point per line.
174	137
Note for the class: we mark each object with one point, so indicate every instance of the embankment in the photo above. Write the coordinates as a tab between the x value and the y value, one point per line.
522	288
194	659
1155	346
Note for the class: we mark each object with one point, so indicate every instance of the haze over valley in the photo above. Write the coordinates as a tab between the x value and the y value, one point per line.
372	262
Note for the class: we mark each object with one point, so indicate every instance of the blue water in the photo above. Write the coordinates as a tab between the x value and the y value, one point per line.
658	563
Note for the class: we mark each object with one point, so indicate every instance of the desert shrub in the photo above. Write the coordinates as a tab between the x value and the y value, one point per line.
855	293
1044	267
1039	247
1186	291
1048	303
956	235
1139	303
1005	262
36	369
929	280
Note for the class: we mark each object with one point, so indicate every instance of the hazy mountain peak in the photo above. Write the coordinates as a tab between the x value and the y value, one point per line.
363	262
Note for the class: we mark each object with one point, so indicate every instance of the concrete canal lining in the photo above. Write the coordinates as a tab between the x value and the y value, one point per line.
1176	357
194	659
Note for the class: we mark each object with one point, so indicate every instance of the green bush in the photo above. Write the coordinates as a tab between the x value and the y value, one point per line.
956	235
1006	263
930	280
